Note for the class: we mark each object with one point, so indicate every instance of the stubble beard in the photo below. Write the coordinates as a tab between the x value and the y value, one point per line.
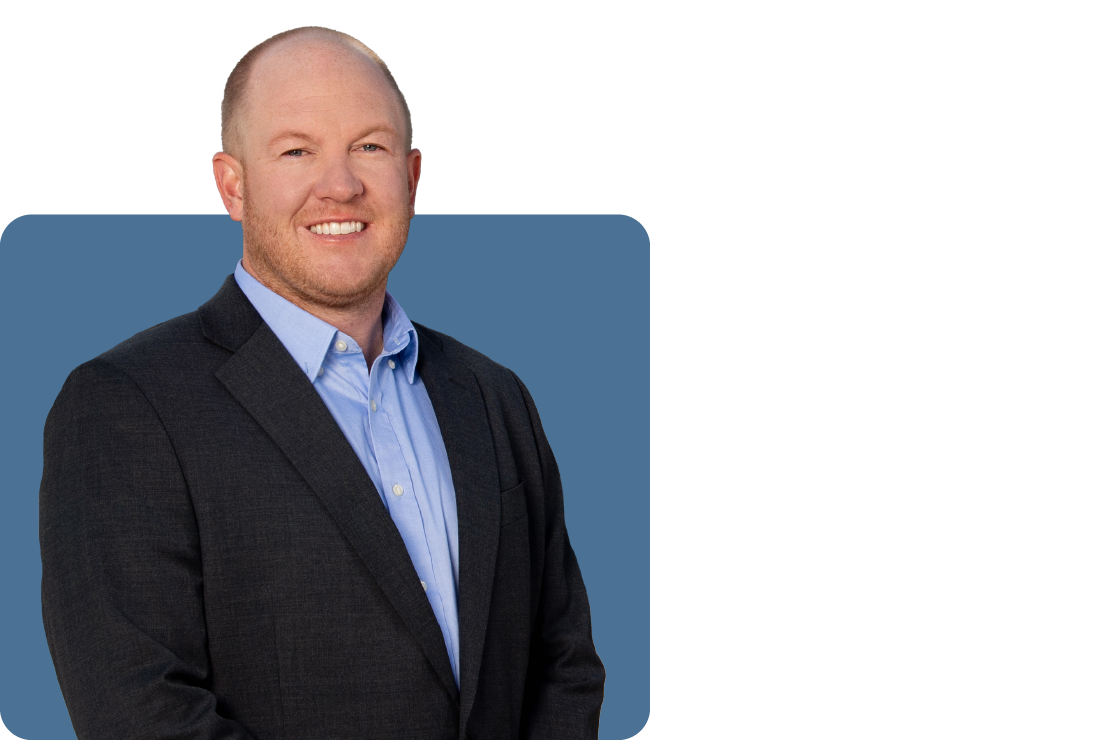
280	262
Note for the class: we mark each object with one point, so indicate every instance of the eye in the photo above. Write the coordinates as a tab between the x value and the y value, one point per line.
369	147
295	152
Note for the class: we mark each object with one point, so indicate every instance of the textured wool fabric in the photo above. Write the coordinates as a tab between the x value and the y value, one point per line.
218	564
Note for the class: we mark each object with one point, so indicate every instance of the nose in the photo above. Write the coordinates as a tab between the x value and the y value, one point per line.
337	181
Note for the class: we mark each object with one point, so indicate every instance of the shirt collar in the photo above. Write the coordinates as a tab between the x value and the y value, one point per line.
308	338
399	337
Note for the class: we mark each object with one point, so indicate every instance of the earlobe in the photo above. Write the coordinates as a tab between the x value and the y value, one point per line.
229	181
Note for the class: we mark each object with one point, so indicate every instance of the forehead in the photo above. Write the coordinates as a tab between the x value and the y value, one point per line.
321	82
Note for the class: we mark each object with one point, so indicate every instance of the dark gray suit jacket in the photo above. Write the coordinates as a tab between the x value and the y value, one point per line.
218	564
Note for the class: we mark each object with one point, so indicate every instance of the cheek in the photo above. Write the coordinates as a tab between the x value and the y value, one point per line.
389	187
290	197
280	196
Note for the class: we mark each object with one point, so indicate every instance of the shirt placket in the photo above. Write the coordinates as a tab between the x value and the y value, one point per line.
399	490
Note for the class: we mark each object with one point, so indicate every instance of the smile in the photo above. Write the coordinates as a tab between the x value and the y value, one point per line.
334	227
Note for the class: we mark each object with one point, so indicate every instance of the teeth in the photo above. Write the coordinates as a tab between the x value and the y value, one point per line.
334	227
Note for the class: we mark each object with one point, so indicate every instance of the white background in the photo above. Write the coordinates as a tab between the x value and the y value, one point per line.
880	263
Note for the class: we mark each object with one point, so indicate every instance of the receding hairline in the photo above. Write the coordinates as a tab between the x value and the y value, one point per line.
235	90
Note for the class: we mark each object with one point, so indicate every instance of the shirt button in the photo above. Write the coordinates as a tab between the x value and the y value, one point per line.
374	406
341	345
390	363
320	371
398	490
424	585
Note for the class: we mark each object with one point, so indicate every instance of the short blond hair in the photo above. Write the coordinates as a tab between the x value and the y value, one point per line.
236	86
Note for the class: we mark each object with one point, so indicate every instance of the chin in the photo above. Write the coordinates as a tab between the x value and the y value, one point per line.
343	285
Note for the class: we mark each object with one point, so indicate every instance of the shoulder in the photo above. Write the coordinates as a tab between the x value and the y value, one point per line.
174	351
484	368
168	355
509	405
169	336
496	380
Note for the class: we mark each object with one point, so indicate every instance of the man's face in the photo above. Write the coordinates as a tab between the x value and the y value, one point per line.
321	143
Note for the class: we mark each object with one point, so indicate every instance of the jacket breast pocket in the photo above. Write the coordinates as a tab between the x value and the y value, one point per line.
513	505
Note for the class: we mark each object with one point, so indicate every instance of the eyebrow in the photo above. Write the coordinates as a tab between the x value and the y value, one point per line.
290	135
384	128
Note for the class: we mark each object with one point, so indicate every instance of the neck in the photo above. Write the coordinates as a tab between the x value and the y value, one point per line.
361	321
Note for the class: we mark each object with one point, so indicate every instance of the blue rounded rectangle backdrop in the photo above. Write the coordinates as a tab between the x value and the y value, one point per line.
563	301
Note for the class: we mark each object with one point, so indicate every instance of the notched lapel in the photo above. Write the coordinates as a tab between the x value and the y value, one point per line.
263	377
462	415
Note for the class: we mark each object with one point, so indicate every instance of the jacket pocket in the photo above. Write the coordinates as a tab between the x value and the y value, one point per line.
513	505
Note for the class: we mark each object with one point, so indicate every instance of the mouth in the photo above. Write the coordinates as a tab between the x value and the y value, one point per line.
337	227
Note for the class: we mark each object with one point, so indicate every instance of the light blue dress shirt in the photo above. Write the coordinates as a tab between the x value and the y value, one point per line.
388	419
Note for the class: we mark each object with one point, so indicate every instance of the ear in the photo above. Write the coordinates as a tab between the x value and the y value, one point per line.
413	166
229	181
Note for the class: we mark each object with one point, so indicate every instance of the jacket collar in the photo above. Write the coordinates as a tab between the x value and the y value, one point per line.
461	412
228	319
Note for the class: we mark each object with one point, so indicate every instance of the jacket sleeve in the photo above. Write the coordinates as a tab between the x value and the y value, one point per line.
564	685
121	578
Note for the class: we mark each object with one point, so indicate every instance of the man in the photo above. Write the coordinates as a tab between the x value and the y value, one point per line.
294	513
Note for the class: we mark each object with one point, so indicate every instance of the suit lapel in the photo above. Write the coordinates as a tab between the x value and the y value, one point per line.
462	415
263	377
